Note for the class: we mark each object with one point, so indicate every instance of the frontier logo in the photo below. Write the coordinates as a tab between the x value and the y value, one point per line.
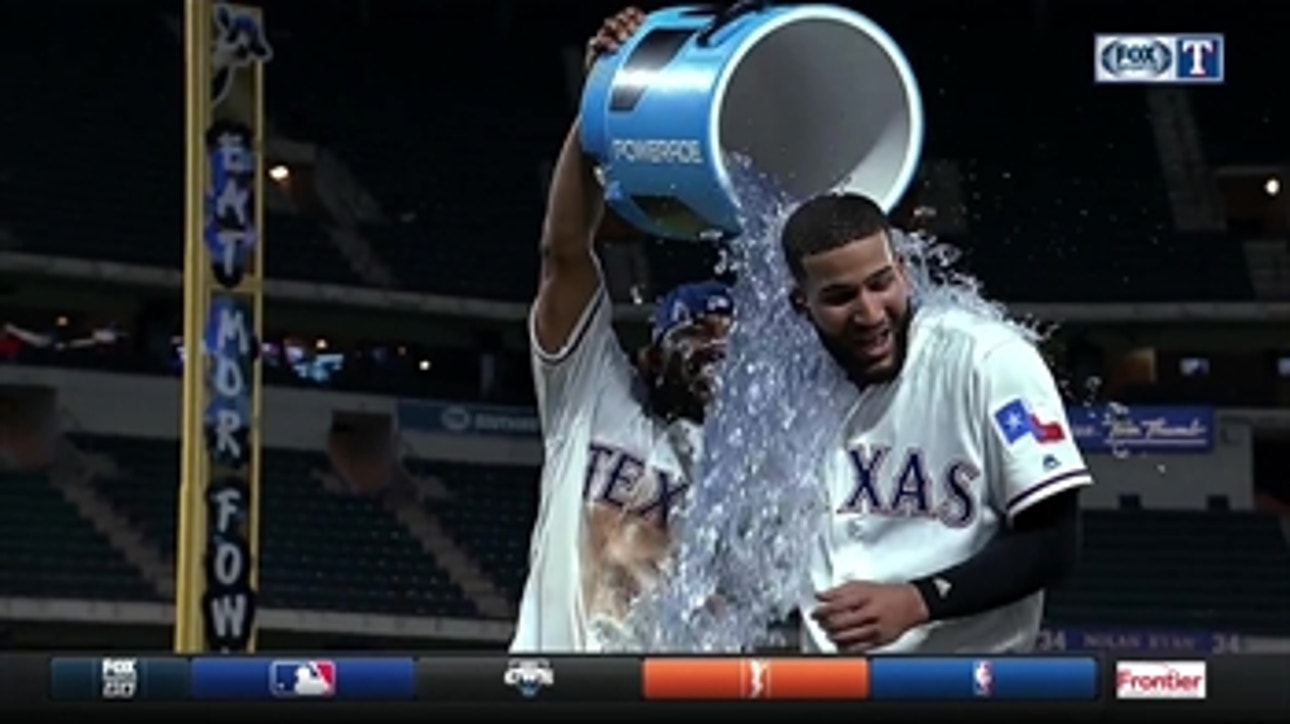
1160	679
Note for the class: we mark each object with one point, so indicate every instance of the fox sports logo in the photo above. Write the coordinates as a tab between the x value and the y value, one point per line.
1136	58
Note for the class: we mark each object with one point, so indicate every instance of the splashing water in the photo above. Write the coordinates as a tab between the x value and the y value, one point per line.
1115	416
756	505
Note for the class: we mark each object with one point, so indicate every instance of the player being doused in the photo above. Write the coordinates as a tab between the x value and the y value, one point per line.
677	372
679	367
620	438
954	491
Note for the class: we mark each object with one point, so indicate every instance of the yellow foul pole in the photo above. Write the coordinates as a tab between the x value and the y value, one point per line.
217	549
189	636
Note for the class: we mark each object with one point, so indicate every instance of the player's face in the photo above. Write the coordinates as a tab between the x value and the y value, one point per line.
857	297
690	354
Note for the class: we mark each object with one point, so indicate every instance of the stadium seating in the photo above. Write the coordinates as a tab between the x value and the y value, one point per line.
107	178
1056	188
490	513
50	551
300	250
455	375
1189	571
447	257
346	553
100	171
1059	178
458	225
321	550
1061	192
1242	121
1160	570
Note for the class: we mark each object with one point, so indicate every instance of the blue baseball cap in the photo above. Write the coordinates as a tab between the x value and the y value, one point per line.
688	302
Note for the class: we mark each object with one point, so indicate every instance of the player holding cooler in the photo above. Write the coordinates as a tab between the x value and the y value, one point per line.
619	438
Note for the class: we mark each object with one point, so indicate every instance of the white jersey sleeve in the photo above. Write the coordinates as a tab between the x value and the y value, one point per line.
591	371
1028	440
587	407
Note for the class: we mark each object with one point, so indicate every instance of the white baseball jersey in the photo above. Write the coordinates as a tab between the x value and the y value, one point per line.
933	464
612	476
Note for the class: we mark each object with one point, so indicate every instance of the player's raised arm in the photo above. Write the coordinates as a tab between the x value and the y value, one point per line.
570	276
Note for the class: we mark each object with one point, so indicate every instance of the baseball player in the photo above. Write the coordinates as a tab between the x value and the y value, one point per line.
619	438
953	491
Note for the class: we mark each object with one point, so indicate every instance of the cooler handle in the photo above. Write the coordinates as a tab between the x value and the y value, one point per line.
727	16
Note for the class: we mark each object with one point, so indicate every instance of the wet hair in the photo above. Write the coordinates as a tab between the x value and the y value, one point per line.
826	223
670	401
663	390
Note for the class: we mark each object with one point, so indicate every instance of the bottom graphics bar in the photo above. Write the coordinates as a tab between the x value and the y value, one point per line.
774	711
493	679
1069	680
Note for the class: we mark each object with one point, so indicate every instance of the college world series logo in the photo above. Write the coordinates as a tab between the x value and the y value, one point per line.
528	676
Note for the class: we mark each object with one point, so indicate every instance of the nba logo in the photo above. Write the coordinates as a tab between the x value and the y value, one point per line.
982	679
302	679
1199	58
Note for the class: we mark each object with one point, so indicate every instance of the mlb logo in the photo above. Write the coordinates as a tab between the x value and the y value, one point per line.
1199	58
302	679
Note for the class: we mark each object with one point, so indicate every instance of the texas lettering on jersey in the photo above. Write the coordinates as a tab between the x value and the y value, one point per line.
936	463
612	477
628	504
624	482
902	484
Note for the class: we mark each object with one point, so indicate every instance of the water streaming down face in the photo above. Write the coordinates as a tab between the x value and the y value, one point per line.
741	546
754	504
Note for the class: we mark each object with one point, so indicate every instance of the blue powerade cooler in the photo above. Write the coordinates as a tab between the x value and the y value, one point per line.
817	97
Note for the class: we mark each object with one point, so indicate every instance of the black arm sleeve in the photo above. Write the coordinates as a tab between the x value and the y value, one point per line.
1040	548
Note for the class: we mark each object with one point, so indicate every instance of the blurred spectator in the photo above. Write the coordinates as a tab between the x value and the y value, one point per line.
290	359
10	346
28	427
